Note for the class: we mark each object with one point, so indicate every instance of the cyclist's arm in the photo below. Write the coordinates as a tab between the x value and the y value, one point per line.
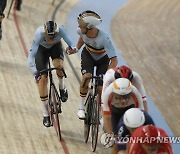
138	83
66	36
107	123
108	78
2	7
113	62
33	51
110	52
106	109
137	98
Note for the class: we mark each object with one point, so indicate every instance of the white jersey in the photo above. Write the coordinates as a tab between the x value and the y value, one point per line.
136	81
108	99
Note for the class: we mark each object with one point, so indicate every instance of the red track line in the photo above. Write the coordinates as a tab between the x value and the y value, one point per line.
19	32
26	53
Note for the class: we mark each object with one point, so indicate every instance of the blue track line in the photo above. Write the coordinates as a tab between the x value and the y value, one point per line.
107	9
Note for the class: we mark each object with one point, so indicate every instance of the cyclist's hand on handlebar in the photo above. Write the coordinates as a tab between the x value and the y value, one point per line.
71	50
37	76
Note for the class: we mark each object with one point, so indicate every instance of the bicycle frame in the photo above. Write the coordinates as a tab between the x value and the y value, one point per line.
54	100
92	112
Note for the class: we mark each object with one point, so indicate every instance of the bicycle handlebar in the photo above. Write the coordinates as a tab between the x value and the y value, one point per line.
51	69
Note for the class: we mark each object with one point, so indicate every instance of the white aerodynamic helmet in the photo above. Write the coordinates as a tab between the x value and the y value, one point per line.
122	86
133	118
89	19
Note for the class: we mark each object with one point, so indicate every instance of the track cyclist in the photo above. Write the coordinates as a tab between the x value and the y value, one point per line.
47	43
98	51
125	72
118	97
151	141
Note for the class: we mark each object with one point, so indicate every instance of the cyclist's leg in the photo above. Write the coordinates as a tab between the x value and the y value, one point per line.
87	66
3	6
41	60
57	60
102	66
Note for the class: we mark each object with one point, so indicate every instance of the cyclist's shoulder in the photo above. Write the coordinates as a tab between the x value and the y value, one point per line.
136	75
39	31
108	90
148	119
101	32
61	27
110	72
162	132
103	35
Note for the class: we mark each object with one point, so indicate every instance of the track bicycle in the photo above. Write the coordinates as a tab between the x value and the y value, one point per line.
54	101
92	108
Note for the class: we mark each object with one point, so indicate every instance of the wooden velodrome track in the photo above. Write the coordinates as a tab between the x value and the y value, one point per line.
149	45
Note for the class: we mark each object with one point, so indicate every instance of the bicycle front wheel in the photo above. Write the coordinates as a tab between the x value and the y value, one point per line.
95	124
87	120
56	122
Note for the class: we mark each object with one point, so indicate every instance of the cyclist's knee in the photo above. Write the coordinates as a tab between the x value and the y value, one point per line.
85	80
58	63
44	78
60	74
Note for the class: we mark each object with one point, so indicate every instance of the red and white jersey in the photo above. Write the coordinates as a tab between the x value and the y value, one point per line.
108	100
136	148
136	81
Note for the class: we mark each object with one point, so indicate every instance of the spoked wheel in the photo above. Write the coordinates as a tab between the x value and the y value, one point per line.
95	124
87	120
56	122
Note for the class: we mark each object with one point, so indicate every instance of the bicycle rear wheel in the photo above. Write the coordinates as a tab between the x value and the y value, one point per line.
56	122
87	120
95	124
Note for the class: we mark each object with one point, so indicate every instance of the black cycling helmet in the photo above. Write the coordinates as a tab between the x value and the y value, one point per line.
123	72
50	28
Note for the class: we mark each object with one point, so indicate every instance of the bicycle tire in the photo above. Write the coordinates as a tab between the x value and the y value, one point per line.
95	124
56	122
87	121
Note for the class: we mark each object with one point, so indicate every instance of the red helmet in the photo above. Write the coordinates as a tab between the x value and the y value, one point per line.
150	134
123	72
